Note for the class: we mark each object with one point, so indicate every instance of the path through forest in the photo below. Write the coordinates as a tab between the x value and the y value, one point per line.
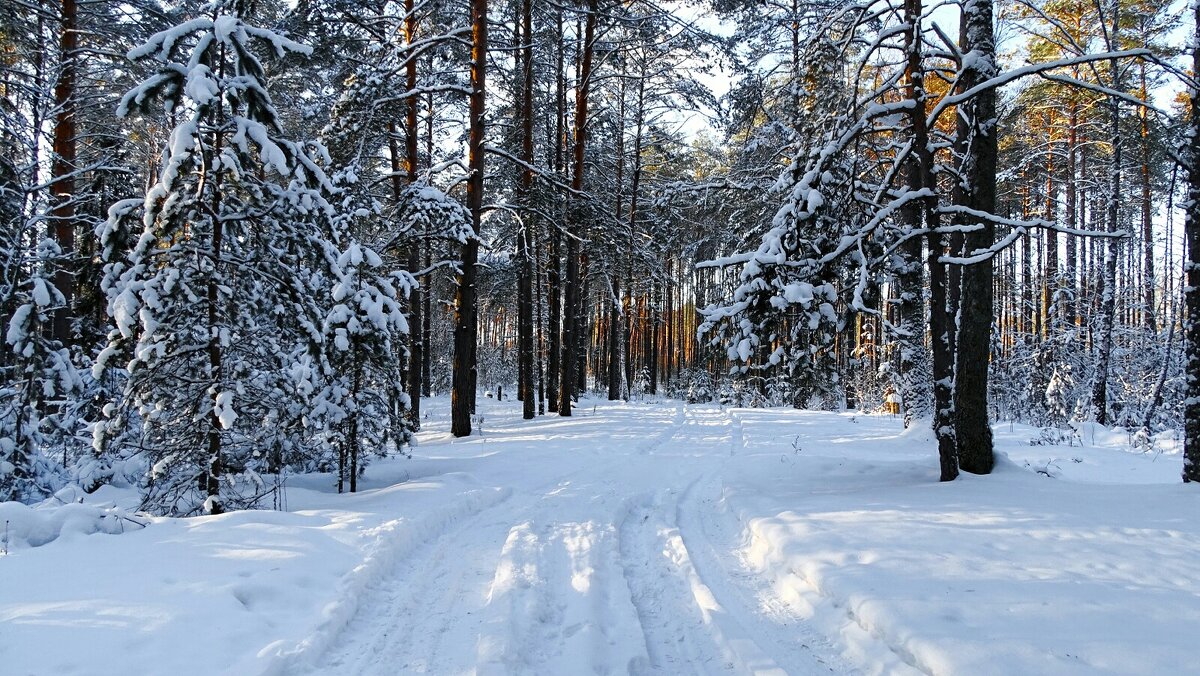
650	537
612	554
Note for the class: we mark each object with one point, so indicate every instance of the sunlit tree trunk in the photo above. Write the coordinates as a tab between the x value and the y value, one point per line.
573	326
466	301
62	184
1148	315
416	318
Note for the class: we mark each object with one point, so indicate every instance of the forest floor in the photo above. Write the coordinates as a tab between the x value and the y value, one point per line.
643	538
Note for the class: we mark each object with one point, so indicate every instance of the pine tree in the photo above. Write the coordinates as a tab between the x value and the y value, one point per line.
977	137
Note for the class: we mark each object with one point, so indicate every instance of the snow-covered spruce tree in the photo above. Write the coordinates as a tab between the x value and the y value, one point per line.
364	390
36	384
782	315
220	305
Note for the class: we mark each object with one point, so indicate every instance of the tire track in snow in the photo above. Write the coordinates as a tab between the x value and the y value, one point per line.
687	629
673	628
558	604
677	421
791	590
560	601
372	583
600	570
710	535
696	605
419	612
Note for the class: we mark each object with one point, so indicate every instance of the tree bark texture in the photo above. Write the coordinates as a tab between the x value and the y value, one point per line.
62	184
940	325
1191	293
1109	277
524	250
977	129
465	311
572	340
416	319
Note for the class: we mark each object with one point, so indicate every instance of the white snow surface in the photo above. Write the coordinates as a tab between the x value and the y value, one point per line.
642	538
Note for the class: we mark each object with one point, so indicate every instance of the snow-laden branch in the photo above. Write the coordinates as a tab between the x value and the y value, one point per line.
1031	69
539	172
1101	89
1026	223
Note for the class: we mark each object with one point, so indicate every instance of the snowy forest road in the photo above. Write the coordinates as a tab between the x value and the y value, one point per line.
645	538
611	555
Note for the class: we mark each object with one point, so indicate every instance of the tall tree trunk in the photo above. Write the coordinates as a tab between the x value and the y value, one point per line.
427	295
635	184
614	289
1191	294
1149	319
465	306
1071	303
554	273
671	353
1109	278
416	358
397	183
939	321
211	473
539	322
655	329
525	191
62	183
583	331
572	340
915	386
614	339
1051	296
1083	314
1027	276
977	130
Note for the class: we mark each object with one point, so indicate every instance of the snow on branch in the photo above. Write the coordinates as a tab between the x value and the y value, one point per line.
1031	69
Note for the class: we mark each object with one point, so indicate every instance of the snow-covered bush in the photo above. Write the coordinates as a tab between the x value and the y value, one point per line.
36	525
35	392
699	386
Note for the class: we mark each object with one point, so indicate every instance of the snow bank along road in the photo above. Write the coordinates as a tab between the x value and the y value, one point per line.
644	538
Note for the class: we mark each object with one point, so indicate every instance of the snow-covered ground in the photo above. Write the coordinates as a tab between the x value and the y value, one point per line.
654	538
